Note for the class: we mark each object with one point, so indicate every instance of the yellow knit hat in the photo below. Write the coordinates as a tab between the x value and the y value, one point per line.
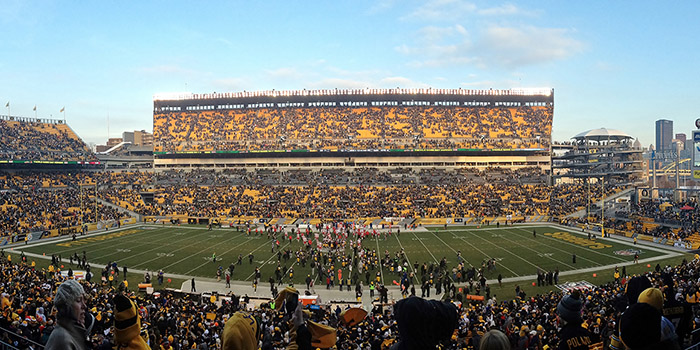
127	325
653	297
240	332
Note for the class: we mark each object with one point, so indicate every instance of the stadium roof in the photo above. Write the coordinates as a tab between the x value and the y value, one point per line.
602	134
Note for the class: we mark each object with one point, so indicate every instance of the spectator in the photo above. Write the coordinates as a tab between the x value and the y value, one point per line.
572	335
423	324
494	340
640	328
241	332
70	331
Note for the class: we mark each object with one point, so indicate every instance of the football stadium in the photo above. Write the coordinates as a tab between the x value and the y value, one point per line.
372	209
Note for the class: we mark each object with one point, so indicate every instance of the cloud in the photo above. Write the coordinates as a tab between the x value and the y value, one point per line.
224	41
493	47
284	73
516	47
603	66
332	83
442	11
22	13
360	83
380	6
400	82
486	84
433	34
507	9
166	69
365	74
230	84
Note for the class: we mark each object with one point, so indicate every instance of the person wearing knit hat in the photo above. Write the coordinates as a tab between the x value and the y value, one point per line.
640	328
635	286
241	332
655	298
423	324
569	308
572	335
70	332
127	325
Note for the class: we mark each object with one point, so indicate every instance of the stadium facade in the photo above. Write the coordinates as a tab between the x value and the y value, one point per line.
354	128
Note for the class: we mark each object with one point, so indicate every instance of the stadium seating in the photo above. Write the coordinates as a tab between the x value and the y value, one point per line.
431	193
428	193
39	141
353	128
35	201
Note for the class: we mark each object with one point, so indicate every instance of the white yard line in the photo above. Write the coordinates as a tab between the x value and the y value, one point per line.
267	261
191	256
224	253
381	272
448	246
505	250
539	253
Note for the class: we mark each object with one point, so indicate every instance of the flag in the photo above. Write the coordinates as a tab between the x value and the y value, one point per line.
62	109
7	104
34	108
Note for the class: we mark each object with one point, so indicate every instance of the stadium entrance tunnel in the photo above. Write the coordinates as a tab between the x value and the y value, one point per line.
198	221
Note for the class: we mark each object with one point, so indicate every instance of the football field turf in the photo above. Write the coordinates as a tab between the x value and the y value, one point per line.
187	250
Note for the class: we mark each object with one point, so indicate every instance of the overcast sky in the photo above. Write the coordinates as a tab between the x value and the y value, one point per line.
613	64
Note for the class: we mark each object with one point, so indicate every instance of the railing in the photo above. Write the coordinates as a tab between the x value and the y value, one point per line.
20	339
6	346
336	92
31	120
694	338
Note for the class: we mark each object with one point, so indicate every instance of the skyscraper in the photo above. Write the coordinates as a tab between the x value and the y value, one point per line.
664	134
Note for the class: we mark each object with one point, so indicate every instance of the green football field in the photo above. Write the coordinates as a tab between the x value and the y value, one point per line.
187	250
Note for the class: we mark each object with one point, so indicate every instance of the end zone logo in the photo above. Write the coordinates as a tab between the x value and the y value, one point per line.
628	252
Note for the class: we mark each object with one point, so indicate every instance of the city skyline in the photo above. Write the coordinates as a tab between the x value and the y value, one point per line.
611	65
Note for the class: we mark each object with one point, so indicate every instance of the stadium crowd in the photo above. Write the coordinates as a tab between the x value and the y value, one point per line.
371	128
361	193
26	197
685	215
31	202
39	141
173	320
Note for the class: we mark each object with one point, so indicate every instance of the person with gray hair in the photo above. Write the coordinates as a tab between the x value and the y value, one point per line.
494	340
70	332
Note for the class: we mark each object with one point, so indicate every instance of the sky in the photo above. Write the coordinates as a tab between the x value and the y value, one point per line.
614	64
